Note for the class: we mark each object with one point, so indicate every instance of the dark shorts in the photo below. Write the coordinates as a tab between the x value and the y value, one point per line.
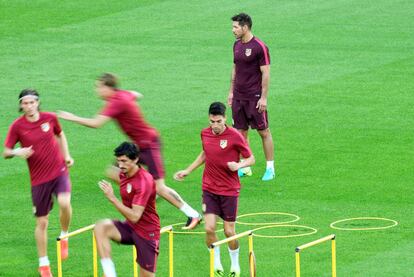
246	114
147	250
223	206
42	194
151	157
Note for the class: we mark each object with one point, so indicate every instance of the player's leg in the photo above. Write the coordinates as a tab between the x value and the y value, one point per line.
241	123
259	121
42	204
229	206
151	157
105	231
211	210
63	192
145	273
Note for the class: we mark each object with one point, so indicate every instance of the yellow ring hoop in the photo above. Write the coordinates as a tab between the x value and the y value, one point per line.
190	232
296	218
394	223
313	231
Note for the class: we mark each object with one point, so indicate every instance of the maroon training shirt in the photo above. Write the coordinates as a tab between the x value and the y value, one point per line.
220	149
47	161
248	57
123	108
140	190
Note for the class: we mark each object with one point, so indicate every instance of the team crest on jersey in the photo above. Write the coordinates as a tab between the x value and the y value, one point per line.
223	143
45	127
248	52
129	188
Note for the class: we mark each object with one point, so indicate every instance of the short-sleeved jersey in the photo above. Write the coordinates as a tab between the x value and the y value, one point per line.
123	108
248	58
219	150
139	189
47	162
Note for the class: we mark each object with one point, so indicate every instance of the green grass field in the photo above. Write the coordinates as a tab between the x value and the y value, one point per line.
340	110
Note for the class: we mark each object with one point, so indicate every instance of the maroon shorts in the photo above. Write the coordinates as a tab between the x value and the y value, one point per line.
223	206
147	250
246	114
42	194
151	157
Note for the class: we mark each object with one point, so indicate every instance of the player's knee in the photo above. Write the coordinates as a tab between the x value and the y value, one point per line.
101	227
264	133
229	232
64	201
210	229
42	223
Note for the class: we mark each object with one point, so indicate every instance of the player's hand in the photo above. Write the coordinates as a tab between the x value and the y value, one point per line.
65	115
233	166
180	175
261	105
69	161
230	99
24	152
106	187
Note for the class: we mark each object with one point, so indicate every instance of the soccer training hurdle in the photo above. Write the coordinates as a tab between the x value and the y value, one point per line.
252	261
167	229
310	244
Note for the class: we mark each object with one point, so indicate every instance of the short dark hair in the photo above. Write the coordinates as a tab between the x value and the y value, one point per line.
128	149
109	80
217	108
25	92
243	19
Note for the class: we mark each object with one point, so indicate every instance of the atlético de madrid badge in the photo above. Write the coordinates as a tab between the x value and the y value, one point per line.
129	188
45	127
223	143
248	52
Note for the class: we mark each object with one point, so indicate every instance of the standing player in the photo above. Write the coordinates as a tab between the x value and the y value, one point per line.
121	106
44	146
142	225
249	89
222	147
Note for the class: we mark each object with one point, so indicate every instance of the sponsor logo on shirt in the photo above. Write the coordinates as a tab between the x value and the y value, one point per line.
223	143
45	127
248	52
129	188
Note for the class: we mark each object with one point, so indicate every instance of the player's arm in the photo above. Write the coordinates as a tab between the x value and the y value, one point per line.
262	103
137	94
112	172
132	214
24	152
233	75
95	122
180	175
234	166
63	143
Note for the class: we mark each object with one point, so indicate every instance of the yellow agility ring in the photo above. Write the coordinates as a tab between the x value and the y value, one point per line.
190	232
295	218
311	232
393	223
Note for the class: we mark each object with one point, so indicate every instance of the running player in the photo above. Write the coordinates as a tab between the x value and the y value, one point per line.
44	146
222	147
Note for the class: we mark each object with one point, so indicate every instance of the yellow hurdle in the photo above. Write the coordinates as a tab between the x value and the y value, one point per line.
167	229
310	244
218	243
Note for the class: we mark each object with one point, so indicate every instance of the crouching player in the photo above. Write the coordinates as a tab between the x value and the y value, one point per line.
142	224
222	147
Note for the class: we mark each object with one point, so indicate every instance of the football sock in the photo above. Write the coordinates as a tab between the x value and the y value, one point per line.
270	164
234	257
217	261
63	233
108	267
190	212
44	261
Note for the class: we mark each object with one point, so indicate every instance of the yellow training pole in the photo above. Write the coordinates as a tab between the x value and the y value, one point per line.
251	259
134	261
171	252
297	264
212	261
59	258
94	256
333	257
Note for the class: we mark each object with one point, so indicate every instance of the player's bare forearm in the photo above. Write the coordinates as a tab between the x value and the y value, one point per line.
112	172
230	96
180	175
64	148
24	152
265	69
95	122
133	215
247	162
